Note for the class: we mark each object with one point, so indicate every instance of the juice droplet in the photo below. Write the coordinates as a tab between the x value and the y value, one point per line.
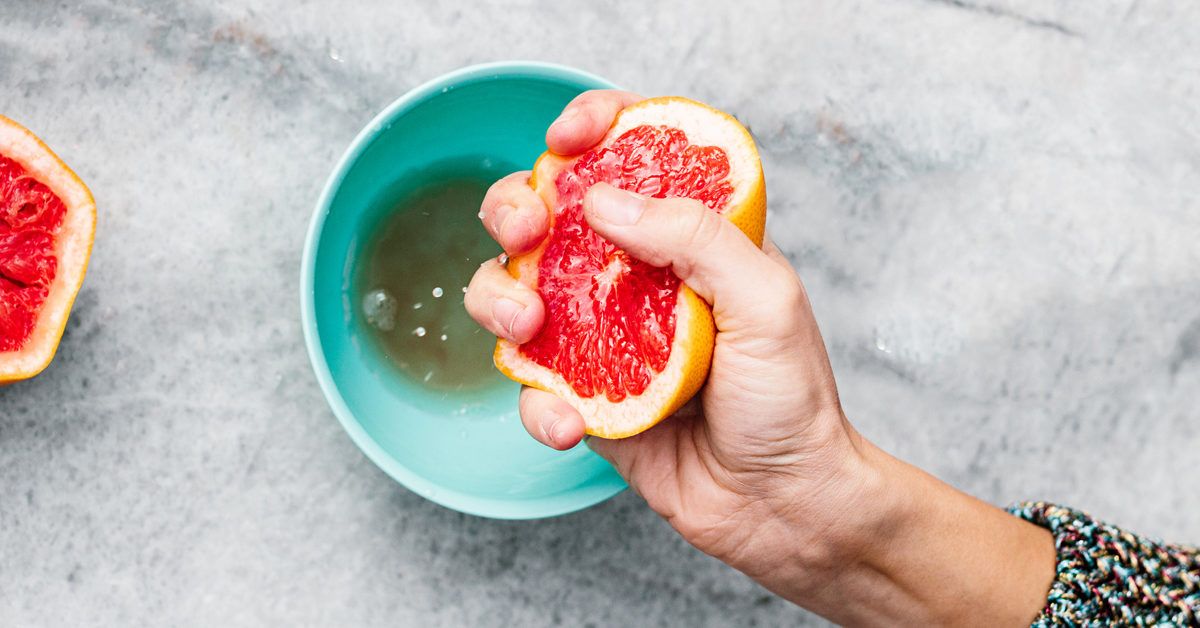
419	333
480	215
379	308
417	305
464	289
443	337
437	292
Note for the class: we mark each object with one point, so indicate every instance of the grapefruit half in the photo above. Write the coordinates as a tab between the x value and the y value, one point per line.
47	222
624	342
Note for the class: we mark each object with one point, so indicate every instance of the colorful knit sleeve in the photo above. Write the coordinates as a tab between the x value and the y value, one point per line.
1109	577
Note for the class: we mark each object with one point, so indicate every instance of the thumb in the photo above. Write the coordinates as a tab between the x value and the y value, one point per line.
706	251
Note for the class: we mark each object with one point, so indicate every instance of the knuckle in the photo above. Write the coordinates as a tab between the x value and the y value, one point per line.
494	192
492	201
702	227
484	286
787	301
787	289
504	191
591	96
696	230
474	301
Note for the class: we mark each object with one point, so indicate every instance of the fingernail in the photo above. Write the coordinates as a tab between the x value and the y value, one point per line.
500	216
505	312
513	223
552	434
558	432
617	207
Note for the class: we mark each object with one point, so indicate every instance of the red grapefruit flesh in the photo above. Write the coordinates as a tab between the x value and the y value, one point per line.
625	342
610	319
47	220
30	216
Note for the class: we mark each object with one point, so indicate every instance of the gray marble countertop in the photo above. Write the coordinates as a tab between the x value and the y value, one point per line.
994	204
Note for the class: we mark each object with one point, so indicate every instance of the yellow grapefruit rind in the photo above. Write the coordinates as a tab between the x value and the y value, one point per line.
73	246
695	332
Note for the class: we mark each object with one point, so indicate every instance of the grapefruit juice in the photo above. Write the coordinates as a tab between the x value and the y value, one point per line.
411	276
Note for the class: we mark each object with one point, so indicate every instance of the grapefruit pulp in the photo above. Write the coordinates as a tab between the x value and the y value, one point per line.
47	221
625	342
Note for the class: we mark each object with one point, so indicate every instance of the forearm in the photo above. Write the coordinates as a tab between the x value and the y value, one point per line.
906	549
947	558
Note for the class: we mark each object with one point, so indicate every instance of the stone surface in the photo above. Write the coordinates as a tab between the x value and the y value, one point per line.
993	203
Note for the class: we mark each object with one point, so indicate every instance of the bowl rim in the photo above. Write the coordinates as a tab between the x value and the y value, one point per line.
496	508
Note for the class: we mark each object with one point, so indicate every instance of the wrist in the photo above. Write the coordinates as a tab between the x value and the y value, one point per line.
885	543
824	520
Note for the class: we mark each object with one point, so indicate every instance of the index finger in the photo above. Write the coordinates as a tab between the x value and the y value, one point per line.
514	214
585	120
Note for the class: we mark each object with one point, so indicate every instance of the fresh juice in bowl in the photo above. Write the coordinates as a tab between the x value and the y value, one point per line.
411	274
393	240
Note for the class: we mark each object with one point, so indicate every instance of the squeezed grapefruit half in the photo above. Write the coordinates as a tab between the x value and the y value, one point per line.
625	342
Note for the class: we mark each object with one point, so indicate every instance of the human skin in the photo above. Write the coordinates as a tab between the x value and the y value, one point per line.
766	473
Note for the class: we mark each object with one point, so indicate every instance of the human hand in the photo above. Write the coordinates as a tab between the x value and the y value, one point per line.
770	398
764	472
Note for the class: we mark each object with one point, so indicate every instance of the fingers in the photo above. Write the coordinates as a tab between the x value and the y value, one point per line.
503	305
514	214
586	119
550	420
706	251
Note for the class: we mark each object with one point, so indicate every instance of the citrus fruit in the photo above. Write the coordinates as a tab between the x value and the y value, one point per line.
625	342
47	220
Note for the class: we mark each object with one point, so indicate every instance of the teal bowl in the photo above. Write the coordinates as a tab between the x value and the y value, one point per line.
466	452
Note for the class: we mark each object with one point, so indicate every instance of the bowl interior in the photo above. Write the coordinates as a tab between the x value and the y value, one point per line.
465	451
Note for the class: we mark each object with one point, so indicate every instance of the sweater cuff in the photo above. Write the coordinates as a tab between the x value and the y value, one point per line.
1106	575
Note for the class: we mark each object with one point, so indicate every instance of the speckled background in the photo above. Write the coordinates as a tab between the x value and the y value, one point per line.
994	204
